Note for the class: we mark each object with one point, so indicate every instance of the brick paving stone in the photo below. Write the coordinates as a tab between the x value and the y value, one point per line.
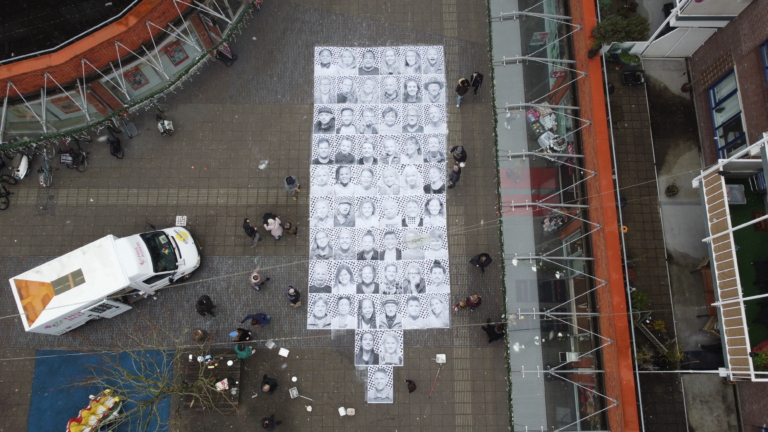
228	121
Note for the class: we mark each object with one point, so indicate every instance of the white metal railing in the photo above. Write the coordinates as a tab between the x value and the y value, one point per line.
738	155
723	262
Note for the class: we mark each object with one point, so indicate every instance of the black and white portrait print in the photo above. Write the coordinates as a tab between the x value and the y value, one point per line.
433	88
378	214
380	385
378	347
325	90
332	311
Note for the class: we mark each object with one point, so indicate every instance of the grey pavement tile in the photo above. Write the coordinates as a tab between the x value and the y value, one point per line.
225	127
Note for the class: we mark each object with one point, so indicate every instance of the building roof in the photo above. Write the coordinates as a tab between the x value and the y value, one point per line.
28	27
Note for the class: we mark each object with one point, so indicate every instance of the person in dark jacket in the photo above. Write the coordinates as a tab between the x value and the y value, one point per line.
268	385
411	386
482	261
294	296
251	232
269	423
494	332
241	335
258	319
459	155
454	177
461	89
205	305
476	81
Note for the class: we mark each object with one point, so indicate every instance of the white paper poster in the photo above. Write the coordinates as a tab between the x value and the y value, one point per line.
378	237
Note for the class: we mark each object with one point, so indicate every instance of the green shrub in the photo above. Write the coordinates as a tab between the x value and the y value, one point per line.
604	5
640	300
619	29
760	361
638	28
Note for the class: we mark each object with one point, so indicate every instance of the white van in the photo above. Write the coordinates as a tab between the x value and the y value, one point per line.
100	279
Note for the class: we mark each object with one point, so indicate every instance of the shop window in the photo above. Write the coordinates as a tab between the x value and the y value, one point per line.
726	116
764	51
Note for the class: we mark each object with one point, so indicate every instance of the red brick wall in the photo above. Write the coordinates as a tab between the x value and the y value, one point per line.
98	48
743	37
199	27
104	94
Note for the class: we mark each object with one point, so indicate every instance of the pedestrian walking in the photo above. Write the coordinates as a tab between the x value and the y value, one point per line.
258	319
269	423
473	302
459	155
268	385
411	386
494	332
241	335
482	261
205	305
292	186
274	227
294	296
257	280
291	228
454	177
243	351
461	89
476	81
200	335
252	232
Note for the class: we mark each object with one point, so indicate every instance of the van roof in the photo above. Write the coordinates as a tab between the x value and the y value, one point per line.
63	287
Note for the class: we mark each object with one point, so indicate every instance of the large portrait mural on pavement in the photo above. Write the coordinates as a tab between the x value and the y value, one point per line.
378	234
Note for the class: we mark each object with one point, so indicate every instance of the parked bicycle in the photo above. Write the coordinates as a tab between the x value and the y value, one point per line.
74	158
6	178
115	147
46	172
5	200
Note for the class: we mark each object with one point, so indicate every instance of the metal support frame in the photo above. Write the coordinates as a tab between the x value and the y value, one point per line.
536	204
513	15
511	155
203	8
176	33
516	60
83	107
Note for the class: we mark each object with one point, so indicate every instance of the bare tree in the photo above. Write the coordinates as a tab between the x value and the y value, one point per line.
143	364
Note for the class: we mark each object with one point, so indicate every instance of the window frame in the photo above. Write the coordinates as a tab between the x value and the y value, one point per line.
716	102
764	52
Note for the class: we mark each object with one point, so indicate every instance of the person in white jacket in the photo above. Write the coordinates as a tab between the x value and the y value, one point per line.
275	227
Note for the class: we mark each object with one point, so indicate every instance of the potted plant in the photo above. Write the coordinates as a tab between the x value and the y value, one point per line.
673	356
645	357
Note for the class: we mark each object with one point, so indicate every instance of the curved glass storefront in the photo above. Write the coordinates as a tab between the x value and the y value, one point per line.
177	50
553	337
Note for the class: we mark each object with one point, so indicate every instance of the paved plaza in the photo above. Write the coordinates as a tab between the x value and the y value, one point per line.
239	132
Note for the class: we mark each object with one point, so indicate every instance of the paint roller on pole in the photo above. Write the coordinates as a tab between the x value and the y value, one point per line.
440	359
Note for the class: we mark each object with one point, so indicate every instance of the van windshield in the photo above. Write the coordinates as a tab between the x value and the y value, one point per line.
161	251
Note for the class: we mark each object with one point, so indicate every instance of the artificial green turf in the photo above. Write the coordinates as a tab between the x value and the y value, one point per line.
751	246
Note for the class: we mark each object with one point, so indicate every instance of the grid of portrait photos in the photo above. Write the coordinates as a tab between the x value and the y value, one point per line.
378	236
